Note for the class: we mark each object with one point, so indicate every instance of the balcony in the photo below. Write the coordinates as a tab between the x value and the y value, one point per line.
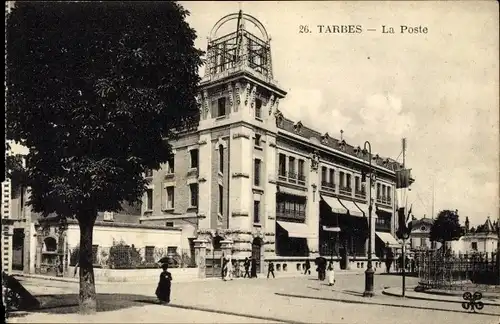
384	200
292	177
292	215
360	194
328	186
346	191
282	175
302	179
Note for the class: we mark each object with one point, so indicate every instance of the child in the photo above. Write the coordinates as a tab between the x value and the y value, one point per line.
164	285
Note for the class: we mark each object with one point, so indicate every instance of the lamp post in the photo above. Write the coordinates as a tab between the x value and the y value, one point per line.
369	273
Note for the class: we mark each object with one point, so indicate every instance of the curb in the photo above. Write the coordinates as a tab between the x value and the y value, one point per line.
387	293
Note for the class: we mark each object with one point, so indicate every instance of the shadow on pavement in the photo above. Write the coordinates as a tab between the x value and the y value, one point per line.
383	304
68	303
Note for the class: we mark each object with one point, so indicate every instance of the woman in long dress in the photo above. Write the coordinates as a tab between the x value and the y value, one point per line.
164	285
331	275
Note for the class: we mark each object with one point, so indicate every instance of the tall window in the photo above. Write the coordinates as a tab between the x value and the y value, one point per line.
149	197
324	171
282	164
221	200
331	179
258	108
291	167
221	107
194	194
341	179
301	170
257	140
348	180
389	194
256	176
378	191
221	158
170	165
383	192
256	211
194	158
170	197
357	184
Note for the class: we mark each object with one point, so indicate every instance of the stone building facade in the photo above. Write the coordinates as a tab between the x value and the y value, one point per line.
251	182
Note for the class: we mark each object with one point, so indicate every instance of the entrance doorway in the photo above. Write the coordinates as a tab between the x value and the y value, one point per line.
256	252
18	249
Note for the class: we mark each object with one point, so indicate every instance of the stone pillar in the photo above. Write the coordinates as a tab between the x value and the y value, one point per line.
200	250
226	247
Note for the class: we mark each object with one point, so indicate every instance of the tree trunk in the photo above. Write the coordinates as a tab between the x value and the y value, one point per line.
88	302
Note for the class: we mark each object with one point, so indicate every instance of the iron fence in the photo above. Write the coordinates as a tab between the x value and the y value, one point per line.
457	271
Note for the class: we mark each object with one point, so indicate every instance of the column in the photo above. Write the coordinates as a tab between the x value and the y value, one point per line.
200	250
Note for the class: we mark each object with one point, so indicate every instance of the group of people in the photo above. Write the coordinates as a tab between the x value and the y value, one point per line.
231	269
324	271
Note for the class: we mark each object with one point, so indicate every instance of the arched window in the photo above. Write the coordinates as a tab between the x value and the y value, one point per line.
221	158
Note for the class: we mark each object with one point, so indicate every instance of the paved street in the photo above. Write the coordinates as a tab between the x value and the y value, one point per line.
297	300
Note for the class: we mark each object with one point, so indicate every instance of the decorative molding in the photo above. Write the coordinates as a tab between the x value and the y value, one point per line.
252	96
279	117
240	175
271	217
272	144
206	111
315	161
257	191
325	138
247	93
201	179
239	214
238	94
238	135
202	142
272	181
298	126
230	91
270	104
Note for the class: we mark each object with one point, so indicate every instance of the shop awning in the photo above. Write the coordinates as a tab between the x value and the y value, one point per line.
331	229
292	192
296	229
352	209
388	239
364	207
334	204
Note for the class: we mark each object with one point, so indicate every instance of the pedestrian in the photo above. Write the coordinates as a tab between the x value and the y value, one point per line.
331	275
76	268
270	269
253	270
246	265
223	267
164	285
229	268
308	267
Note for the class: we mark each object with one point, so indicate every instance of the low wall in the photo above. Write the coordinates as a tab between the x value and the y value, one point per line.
140	275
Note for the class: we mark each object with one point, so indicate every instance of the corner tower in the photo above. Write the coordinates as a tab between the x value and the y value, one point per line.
239	101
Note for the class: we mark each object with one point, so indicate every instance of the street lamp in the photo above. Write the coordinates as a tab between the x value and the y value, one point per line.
369	273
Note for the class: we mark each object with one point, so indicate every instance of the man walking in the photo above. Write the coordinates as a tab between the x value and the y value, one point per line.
247	268
270	269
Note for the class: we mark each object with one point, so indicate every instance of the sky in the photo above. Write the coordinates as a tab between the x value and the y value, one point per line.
439	90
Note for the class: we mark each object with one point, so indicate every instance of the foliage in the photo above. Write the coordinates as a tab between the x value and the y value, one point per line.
123	256
446	227
92	88
15	172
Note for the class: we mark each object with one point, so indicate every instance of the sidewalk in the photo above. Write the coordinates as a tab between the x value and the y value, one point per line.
489	299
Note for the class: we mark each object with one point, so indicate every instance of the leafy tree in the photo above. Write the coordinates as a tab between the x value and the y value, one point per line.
446	227
95	91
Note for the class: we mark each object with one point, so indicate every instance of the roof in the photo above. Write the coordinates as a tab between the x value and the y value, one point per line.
487	227
325	139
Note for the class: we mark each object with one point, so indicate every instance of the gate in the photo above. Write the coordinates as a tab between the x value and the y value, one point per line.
256	248
213	261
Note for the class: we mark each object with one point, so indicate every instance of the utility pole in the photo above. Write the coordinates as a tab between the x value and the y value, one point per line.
403	254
